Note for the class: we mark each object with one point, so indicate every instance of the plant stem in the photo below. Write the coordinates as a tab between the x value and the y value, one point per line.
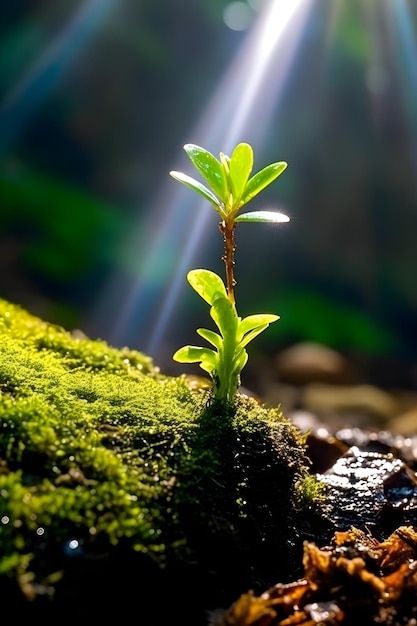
228	232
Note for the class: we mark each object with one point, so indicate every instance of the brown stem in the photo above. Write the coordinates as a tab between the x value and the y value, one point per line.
228	232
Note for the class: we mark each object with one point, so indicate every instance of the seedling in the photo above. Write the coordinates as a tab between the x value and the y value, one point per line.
230	189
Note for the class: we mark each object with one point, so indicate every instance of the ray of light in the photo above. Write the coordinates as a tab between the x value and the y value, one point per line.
30	90
390	73
239	110
392	68
402	21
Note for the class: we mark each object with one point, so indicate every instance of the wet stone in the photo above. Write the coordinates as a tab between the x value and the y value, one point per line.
381	441
370	491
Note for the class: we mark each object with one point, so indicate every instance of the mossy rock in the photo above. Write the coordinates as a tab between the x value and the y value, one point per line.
124	489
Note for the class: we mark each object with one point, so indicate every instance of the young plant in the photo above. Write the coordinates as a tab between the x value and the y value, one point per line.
231	187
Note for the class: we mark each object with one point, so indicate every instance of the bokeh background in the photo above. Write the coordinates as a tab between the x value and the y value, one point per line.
97	99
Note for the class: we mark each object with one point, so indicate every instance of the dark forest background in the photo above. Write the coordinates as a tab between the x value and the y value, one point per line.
96	102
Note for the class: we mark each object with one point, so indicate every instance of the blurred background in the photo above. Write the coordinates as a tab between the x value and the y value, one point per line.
97	99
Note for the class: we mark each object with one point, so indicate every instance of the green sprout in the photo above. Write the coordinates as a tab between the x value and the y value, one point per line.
231	187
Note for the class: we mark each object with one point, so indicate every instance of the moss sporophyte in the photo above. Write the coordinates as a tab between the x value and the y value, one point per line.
231	187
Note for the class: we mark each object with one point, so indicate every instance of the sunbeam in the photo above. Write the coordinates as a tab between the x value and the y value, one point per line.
398	14
240	110
28	93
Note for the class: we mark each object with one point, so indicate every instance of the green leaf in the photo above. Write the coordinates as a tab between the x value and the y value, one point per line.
207	284
211	337
253	321
209	167
241	358
190	182
240	167
252	334
263	216
262	179
225	162
195	354
224	314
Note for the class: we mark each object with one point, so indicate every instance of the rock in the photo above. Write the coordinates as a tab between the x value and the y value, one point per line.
309	362
360	403
371	491
404	423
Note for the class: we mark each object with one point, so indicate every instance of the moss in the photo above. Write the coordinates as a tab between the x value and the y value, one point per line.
104	459
90	355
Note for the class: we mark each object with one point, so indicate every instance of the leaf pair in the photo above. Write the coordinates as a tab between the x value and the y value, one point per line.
225	362
230	184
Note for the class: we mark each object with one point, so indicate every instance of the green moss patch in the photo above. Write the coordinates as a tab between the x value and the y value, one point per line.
103	459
